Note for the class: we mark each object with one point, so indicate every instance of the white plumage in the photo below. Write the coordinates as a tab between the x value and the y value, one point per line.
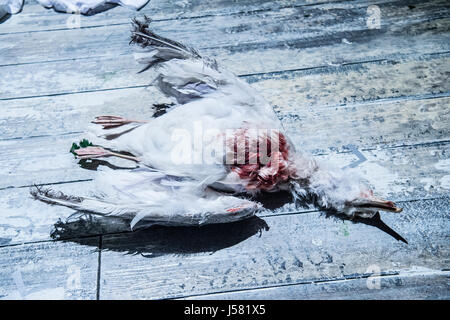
85	7
199	158
10	7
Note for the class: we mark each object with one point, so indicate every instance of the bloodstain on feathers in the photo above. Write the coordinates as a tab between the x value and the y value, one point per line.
261	158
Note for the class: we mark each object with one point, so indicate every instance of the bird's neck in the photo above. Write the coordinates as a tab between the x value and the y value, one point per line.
328	188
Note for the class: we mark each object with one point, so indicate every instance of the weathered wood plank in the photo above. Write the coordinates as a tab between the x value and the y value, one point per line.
162	263
94	73
26	220
328	23
73	113
400	174
403	173
408	285
27	162
307	102
355	83
84	75
374	125
156	9
49	270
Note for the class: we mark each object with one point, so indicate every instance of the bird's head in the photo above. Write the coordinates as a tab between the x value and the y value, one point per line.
366	205
336	189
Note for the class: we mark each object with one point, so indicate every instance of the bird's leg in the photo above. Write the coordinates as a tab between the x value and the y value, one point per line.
109	122
99	152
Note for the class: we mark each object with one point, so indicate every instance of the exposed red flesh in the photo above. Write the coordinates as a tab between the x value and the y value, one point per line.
260	174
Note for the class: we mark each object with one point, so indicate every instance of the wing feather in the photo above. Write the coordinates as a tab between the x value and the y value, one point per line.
183	73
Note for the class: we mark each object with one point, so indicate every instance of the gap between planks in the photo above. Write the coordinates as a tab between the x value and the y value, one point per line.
422	144
147	8
422	16
99	265
384	276
314	70
281	73
332	279
267	215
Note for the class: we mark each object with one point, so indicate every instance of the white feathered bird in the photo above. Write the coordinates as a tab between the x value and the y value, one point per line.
219	141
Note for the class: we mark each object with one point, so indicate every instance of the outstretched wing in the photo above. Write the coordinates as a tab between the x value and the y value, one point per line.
186	75
154	197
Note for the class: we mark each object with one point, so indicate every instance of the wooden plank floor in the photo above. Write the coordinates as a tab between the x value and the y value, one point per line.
374	97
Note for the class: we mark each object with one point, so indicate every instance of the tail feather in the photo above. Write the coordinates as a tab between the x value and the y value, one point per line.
142	35
133	212
183	73
92	205
161	49
52	197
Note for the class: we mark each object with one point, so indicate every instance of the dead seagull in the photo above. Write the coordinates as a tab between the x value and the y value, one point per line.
221	140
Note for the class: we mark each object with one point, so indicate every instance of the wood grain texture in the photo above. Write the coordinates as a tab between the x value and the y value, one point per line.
26	220
49	270
162	263
156	9
367	125
118	69
343	91
327	23
306	101
357	83
408	285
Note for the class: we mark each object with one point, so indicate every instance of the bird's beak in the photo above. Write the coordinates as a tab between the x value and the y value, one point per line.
379	204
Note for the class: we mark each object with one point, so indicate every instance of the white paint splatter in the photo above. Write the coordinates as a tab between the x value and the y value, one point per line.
45	294
344	40
443	165
428	183
15	221
381	178
445	182
420	270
